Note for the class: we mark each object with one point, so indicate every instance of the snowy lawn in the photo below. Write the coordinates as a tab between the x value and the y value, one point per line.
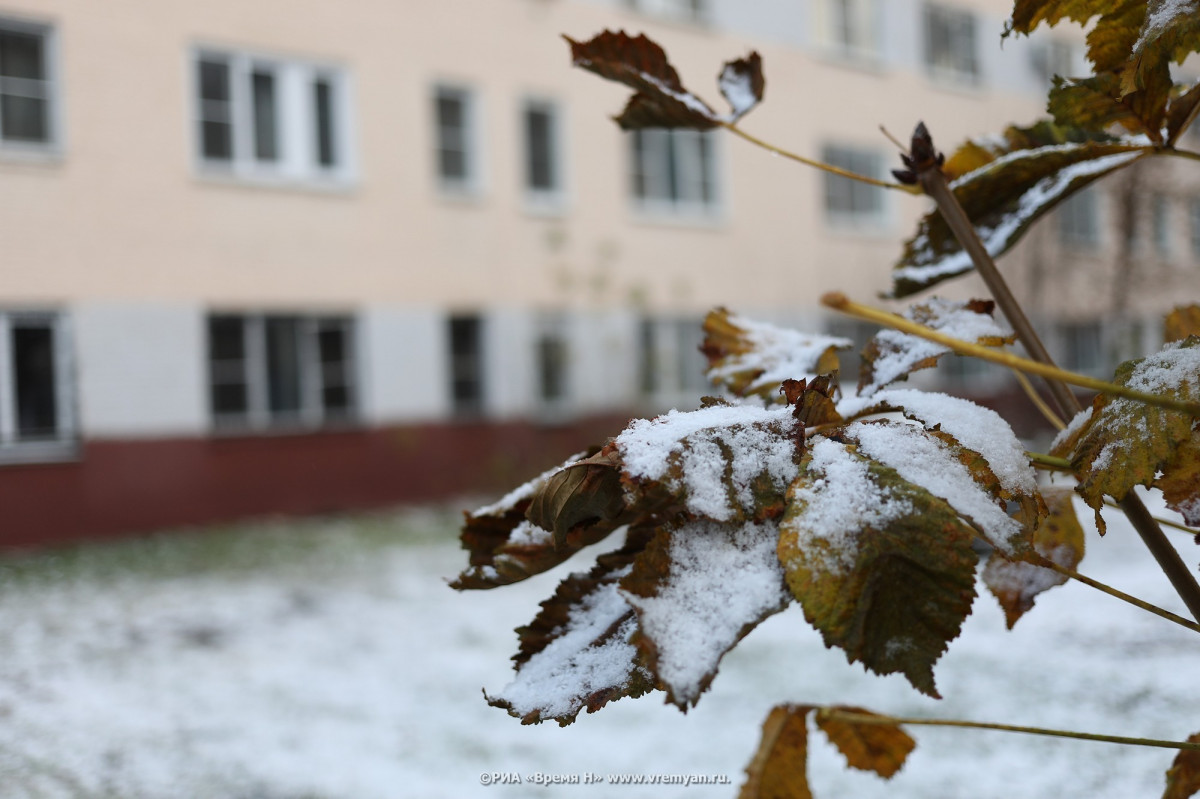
328	659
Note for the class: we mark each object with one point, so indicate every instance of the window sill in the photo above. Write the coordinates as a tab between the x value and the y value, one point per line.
545	204
964	83
316	184
30	453
697	217
869	227
866	62
31	154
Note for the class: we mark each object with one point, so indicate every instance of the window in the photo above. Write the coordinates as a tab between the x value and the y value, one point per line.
950	47
457	167
852	202
466	365
35	402
540	126
269	370
681	10
671	363
1078	220
1054	58
1194	213
26	86
1160	221
260	117
1083	347
674	171
552	356
849	28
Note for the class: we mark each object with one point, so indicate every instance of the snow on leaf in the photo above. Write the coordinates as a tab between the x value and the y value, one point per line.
578	652
779	769
660	100
506	547
722	462
1183	778
883	568
1125	442
698	589
1171	32
1003	198
1017	583
750	357
881	748
1181	322
891	355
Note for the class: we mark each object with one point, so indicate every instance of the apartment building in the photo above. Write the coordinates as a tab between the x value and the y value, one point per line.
282	257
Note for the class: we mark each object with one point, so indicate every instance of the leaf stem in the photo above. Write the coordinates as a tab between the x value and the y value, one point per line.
1038	402
1048	461
732	128
860	718
841	302
1113	592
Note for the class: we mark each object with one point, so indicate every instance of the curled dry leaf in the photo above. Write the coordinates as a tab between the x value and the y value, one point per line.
1124	442
585	494
1016	584
660	100
877	747
1183	778
578	652
891	355
754	358
779	769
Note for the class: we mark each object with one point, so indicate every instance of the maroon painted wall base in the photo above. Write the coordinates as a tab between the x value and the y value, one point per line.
118	487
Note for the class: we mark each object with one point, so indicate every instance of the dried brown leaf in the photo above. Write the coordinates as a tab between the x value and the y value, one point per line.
881	748
779	769
1183	778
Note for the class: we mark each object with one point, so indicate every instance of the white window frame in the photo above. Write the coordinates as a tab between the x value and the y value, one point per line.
866	219
311	414
549	199
961	63
695	12
297	161
669	170
48	90
469	185
62	444
850	30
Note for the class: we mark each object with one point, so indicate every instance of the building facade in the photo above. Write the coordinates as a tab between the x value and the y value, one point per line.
301	256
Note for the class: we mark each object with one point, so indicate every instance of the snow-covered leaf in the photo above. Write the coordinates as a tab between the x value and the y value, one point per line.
660	100
749	357
883	568
779	769
891	355
728	463
698	589
1124	442
1183	778
1181	322
1017	583
1005	195
584	495
881	748
1170	33
506	547
578	652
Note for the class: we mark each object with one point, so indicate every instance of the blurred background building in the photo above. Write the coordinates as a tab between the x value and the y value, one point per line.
305	255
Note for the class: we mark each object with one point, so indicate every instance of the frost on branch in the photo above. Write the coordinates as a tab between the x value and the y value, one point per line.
660	100
698	589
578	652
891	355
1124	442
1004	193
883	568
1017	583
754	358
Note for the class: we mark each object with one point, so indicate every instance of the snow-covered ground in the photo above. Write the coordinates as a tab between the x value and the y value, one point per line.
329	659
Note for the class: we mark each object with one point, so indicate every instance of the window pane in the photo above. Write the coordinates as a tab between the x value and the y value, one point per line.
216	118
552	367
227	366
21	55
648	361
266	135
23	118
466	364
333	347
33	370
852	199
283	365
539	138
453	165
323	106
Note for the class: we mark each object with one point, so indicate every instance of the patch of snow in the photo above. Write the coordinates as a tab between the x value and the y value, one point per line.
557	680
736	85
757	439
524	491
721	580
529	534
1073	427
780	353
929	463
838	505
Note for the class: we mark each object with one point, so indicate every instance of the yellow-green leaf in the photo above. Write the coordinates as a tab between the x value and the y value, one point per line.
779	769
1181	322
883	568
1017	583
1183	778
1097	103
1124	442
881	748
